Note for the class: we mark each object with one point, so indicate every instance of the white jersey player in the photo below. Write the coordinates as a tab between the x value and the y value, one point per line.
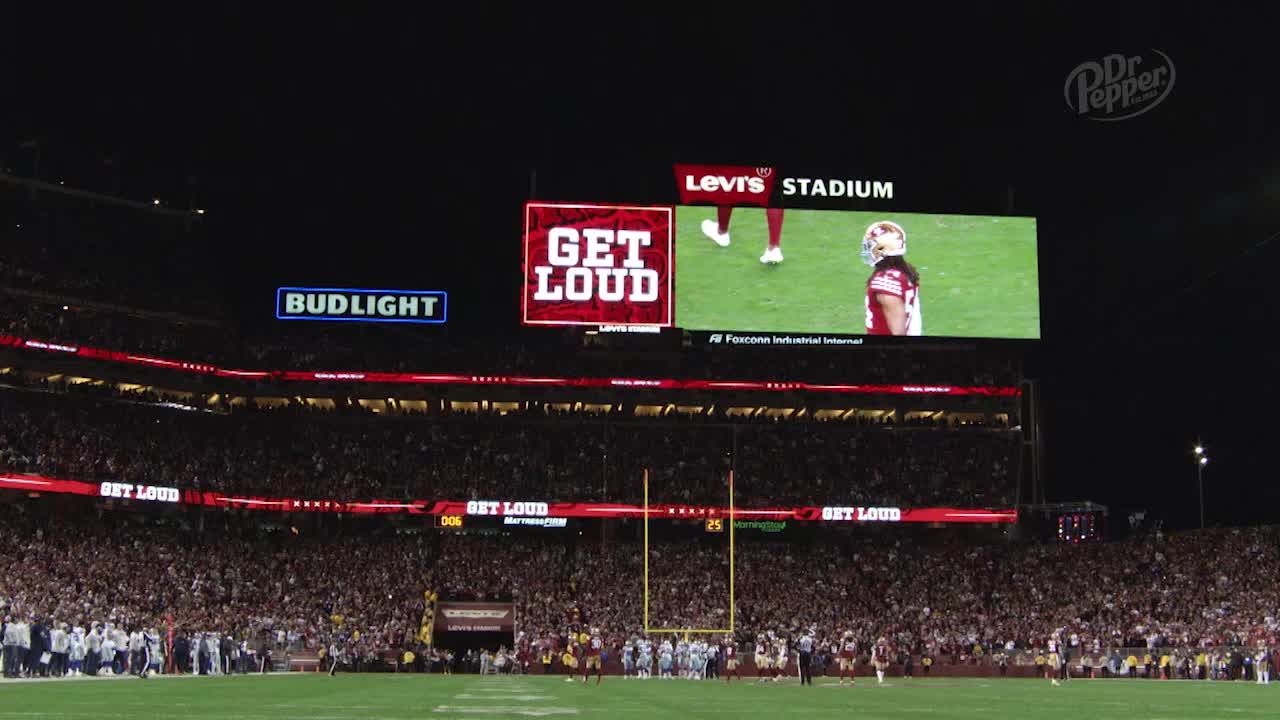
780	657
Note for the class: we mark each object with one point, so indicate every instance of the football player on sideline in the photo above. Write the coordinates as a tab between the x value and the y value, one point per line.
1055	660
880	659
762	658
731	659
893	290
594	645
718	231
848	656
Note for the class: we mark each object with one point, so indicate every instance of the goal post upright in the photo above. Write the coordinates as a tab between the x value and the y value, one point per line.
731	524
688	631
646	549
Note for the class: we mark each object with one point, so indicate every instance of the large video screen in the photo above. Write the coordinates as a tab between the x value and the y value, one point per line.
856	273
796	275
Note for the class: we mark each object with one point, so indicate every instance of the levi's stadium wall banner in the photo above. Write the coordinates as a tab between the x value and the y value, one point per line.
756	256
475	617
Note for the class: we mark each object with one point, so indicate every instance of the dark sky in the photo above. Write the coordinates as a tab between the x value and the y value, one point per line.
377	147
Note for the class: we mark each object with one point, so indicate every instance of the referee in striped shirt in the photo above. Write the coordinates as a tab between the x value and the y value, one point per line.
805	645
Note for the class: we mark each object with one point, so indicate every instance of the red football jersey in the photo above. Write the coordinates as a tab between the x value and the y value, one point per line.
897	283
593	646
880	653
849	651
730	651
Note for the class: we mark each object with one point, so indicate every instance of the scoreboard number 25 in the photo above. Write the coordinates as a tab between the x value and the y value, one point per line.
715	524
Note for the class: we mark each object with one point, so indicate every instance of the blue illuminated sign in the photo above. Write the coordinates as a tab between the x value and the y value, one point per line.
360	305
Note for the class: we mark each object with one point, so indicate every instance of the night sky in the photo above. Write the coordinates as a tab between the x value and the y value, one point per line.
375	148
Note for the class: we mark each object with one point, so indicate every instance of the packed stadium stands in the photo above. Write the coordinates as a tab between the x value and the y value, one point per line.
284	454
67	319
955	602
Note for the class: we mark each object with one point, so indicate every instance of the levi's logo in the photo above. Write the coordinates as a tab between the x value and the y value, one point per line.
725	184
712	183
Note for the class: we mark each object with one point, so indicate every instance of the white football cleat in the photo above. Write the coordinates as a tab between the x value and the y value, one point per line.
772	255
711	229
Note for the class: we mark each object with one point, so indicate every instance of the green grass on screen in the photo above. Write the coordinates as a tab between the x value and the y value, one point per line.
978	275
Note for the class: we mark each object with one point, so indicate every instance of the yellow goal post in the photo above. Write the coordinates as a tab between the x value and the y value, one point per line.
687	631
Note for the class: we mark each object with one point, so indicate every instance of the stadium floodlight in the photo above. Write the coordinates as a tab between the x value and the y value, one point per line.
155	201
1201	461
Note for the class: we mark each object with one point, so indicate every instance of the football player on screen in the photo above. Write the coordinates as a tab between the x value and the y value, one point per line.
718	231
893	290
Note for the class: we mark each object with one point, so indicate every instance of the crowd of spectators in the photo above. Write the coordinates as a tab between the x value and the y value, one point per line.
355	346
953	601
486	456
277	589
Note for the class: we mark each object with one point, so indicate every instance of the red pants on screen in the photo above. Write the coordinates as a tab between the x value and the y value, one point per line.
772	215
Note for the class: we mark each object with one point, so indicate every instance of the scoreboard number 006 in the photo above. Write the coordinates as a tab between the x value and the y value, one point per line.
449	521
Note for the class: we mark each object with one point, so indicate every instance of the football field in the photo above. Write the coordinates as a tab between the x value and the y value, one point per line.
400	697
978	275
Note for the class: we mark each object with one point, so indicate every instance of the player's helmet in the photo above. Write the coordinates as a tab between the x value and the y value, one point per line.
883	239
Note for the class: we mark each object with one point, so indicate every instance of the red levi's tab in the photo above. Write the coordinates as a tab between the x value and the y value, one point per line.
725	184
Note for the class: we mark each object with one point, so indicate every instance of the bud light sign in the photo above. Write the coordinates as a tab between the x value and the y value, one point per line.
353	305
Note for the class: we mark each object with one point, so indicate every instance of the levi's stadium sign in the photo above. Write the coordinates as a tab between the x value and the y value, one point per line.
737	185
474	617
357	305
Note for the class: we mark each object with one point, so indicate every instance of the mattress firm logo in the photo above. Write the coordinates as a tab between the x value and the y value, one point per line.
356	305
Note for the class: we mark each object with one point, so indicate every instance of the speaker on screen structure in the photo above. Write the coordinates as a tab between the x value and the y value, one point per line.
593	264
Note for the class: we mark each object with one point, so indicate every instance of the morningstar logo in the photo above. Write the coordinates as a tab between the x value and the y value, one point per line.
598	265
725	184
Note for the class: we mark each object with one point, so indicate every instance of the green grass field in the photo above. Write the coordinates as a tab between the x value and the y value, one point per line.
401	697
978	275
